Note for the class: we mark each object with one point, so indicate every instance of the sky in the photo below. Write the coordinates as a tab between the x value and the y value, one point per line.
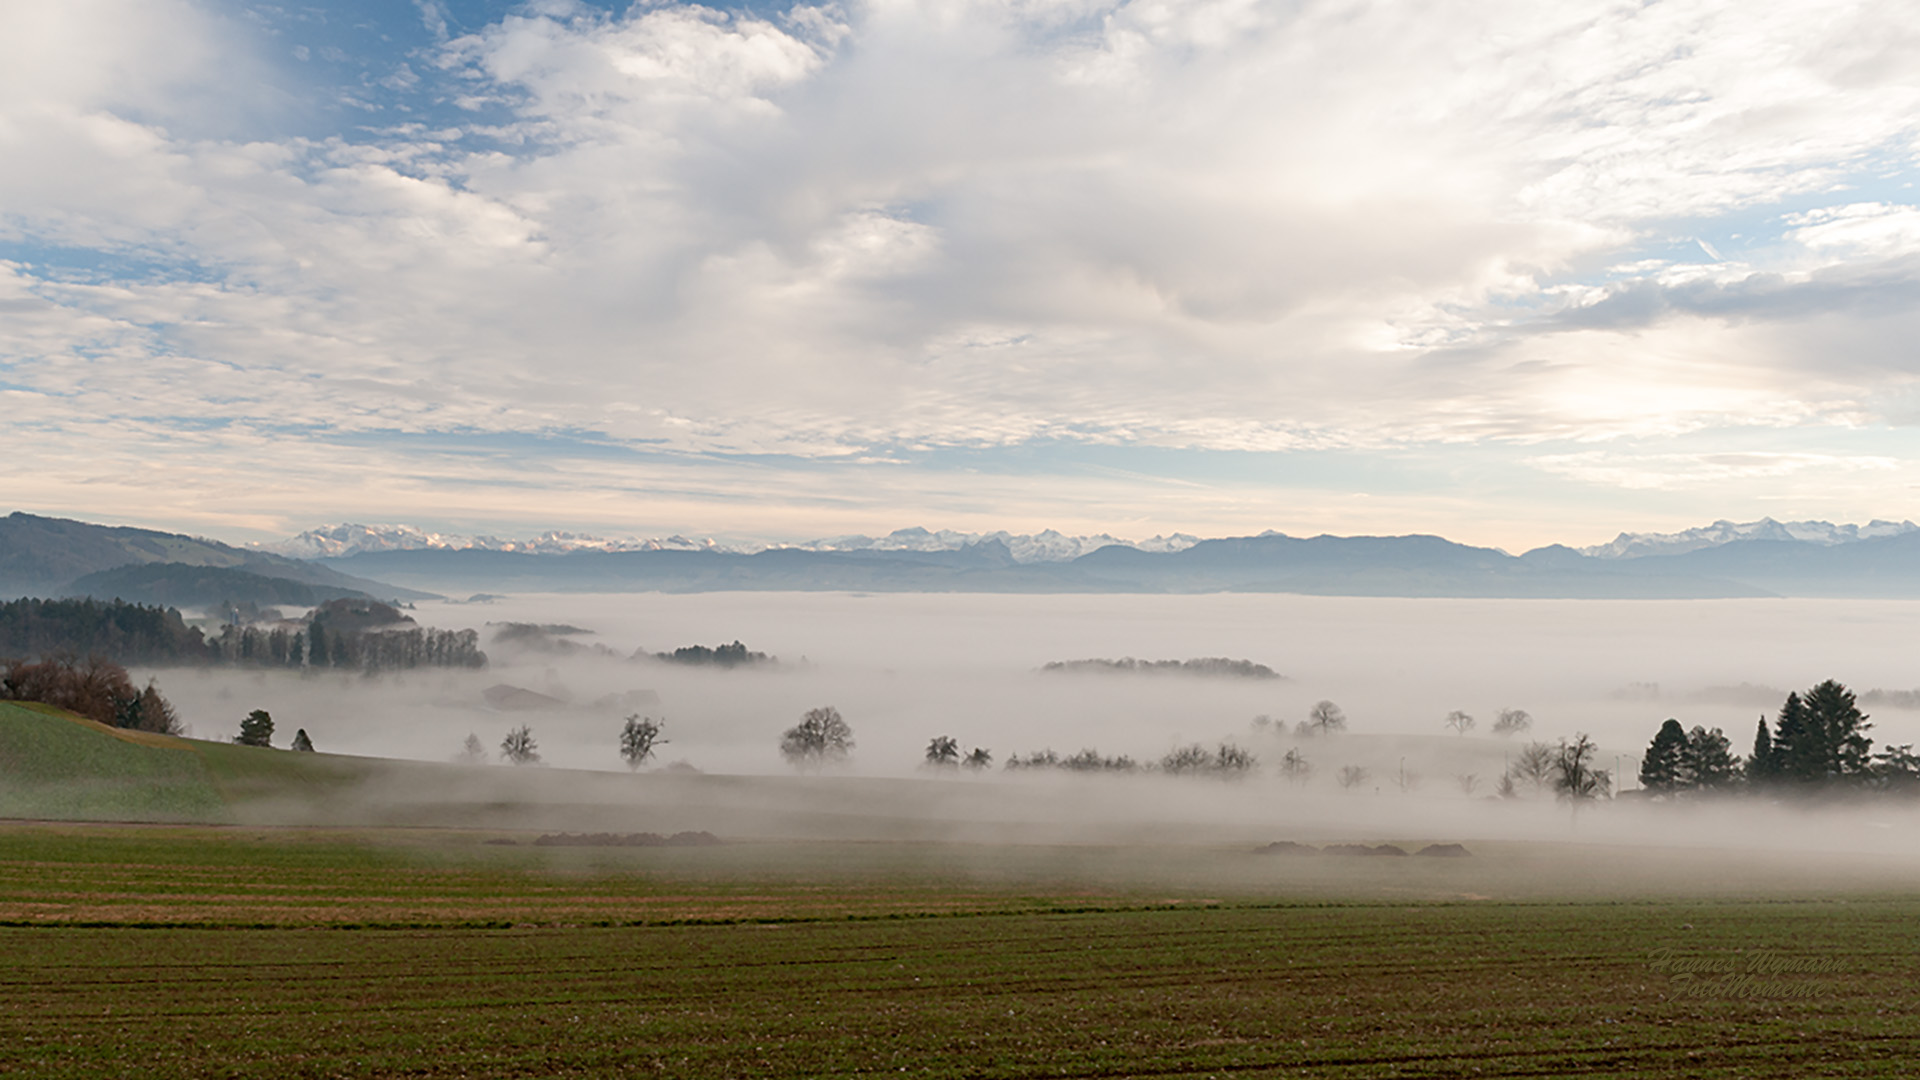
1510	271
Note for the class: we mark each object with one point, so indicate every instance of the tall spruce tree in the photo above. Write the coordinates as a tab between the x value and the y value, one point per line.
1762	767
1661	770
1709	760
1796	750
1844	751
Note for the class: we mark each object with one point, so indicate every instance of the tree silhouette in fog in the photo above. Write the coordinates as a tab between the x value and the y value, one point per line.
820	738
519	748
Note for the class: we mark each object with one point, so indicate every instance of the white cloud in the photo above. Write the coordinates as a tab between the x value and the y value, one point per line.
1226	225
1695	472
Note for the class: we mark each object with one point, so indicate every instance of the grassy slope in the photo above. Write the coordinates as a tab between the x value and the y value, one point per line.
56	765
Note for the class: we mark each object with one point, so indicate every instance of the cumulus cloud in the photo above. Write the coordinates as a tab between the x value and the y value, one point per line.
840	231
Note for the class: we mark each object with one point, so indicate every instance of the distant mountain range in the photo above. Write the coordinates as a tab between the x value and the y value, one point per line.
346	540
1825	534
48	556
343	541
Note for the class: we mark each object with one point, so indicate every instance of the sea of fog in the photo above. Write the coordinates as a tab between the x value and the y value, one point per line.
903	668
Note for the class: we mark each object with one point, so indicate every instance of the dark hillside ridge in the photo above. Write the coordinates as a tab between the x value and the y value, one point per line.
43	556
172	584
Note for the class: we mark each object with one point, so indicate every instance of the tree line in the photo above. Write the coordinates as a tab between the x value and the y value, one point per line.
95	688
123	633
1816	745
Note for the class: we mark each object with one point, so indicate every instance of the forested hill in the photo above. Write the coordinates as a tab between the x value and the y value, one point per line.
345	634
121	632
43	556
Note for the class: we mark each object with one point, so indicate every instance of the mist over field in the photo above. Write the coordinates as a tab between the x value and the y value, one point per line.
904	668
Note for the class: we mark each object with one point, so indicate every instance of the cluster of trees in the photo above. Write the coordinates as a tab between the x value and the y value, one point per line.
1506	722
257	730
122	632
1817	744
1205	665
1325	718
338	636
95	688
724	656
943	752
321	646
1084	761
640	736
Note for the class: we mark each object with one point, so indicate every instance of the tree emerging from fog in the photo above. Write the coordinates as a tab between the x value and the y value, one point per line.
1508	722
519	748
943	752
1662	766
1295	766
979	758
1324	718
472	752
820	738
1459	721
1351	776
638	738
1575	780
1532	769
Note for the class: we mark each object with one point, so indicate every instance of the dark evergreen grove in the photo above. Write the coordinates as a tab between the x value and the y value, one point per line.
1817	745
118	631
123	633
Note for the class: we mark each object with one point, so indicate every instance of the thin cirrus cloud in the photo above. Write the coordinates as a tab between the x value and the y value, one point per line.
854	241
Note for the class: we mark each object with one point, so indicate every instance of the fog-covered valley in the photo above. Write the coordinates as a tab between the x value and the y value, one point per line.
904	668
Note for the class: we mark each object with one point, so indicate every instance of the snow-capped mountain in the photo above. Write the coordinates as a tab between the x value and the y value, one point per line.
1047	546
1827	534
340	541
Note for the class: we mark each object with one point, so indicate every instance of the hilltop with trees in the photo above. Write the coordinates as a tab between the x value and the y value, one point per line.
351	634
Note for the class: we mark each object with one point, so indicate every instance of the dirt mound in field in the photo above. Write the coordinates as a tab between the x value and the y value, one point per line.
1445	851
638	839
1286	847
1360	849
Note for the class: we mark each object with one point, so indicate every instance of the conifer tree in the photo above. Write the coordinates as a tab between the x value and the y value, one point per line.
1708	760
256	729
1762	767
1662	769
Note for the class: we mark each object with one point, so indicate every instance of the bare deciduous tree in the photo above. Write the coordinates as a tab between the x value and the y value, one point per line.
519	748
1460	722
638	738
1324	718
1352	776
821	737
1574	777
1512	722
943	753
